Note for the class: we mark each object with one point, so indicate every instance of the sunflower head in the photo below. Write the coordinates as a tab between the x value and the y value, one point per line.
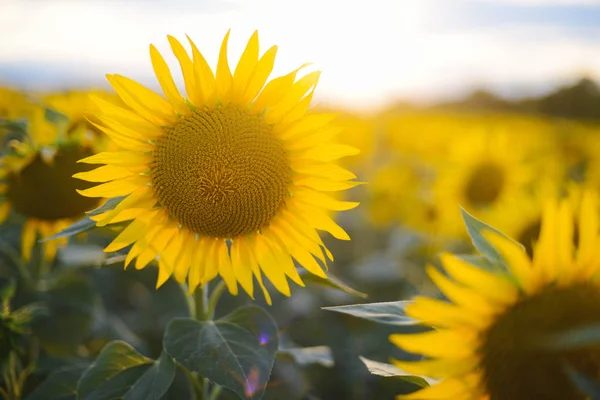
229	180
80	112
501	333
37	183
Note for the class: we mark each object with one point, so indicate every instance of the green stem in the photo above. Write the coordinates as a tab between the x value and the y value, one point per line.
214	299
214	394
201	303
201	313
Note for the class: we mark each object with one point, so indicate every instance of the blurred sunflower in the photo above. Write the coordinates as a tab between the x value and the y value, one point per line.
493	339
482	170
13	104
81	112
227	182
36	182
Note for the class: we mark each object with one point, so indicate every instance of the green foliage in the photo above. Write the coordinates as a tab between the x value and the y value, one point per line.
332	281
71	302
86	223
60	384
475	229
587	385
120	372
309	355
389	370
390	313
237	351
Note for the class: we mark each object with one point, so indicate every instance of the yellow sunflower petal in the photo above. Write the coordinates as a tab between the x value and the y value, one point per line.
245	67
270	266
323	222
145	102
545	257
4	211
187	70
328	152
471	301
491	285
516	260
198	263
226	267
28	236
259	77
435	343
297	91
120	187
439	367
204	77
323	200
223	76
275	90
141	199
167	84
121	158
104	174
588	228
442	314
135	230
184	258
240	261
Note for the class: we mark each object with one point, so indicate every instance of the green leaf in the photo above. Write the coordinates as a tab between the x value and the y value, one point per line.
587	385
475	228
310	355
71	302
120	372
482	262
388	370
237	351
86	223
389	313
60	384
332	281
7	289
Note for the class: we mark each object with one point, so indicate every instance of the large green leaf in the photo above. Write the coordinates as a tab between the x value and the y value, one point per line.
236	352
475	228
86	223
120	372
388	370
309	355
389	313
60	384
332	281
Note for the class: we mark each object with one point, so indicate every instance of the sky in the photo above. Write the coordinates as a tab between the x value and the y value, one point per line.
371	52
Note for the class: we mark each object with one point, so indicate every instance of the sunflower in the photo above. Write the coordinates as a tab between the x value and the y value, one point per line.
36	182
483	170
229	181
81	111
494	338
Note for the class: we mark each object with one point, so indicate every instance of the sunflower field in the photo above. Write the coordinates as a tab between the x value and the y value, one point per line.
226	238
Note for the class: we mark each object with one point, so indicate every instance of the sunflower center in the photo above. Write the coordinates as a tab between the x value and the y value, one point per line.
221	172
48	191
515	367
485	185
